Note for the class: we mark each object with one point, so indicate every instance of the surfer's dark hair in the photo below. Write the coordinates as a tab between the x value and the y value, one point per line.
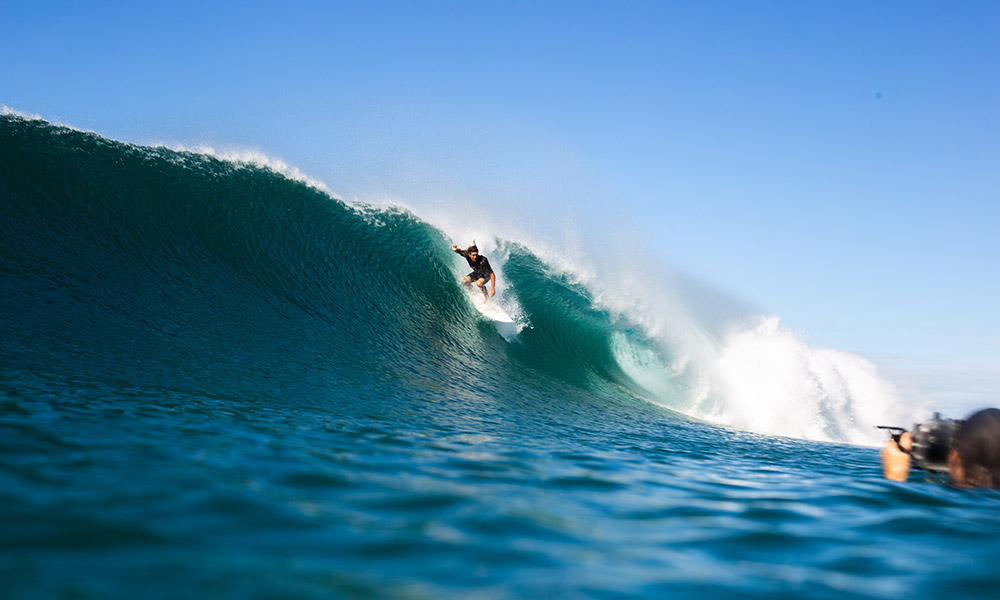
978	446
472	248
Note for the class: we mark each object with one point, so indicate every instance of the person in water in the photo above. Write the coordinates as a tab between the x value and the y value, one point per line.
481	270
974	457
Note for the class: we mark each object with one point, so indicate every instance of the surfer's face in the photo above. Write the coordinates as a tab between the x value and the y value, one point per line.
473	254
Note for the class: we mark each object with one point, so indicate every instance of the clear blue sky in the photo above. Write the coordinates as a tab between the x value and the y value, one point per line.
834	163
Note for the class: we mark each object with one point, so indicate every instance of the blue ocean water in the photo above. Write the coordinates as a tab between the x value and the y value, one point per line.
219	382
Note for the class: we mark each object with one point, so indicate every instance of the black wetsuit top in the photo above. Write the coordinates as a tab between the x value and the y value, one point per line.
481	268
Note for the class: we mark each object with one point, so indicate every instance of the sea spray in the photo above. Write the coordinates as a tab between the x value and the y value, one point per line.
769	380
696	351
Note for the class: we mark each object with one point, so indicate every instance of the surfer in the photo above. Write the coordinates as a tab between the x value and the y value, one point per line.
481	270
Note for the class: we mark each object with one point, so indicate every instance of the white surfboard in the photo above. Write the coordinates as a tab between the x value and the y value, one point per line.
494	312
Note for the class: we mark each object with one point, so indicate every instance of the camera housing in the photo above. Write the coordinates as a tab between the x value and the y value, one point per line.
932	442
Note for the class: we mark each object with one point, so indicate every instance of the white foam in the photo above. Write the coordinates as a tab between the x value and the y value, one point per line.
747	371
255	158
767	379
6	110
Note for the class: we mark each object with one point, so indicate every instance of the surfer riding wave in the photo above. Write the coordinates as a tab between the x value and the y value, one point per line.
481	270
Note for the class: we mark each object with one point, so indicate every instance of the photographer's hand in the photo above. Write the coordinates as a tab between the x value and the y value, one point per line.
896	462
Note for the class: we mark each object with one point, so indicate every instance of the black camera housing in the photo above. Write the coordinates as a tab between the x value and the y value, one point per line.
932	441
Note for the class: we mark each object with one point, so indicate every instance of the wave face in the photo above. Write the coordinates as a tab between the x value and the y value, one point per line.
181	269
